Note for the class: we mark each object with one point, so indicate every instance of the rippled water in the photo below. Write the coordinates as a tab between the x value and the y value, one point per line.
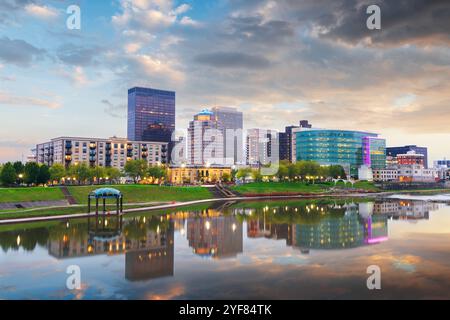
259	250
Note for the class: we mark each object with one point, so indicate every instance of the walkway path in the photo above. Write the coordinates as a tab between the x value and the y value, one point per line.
67	195
32	204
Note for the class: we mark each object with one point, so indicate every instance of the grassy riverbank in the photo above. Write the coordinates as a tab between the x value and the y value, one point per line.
145	193
293	188
30	194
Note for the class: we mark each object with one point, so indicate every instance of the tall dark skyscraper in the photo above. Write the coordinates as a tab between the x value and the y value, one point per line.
151	114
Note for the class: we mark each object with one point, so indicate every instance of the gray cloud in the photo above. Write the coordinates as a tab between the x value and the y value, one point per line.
232	60
78	55
402	22
407	21
254	30
18	52
115	111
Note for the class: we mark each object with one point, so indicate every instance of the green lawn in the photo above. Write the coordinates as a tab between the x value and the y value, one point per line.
279	187
30	194
143	193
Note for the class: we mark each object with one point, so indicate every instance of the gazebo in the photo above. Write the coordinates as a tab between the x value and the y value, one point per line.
104	194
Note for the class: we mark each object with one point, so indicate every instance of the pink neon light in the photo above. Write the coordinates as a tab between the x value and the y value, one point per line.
377	240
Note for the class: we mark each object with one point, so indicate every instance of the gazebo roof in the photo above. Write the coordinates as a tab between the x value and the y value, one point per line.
105	193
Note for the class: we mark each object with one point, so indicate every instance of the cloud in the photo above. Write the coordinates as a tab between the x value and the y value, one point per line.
78	55
152	15
11	100
152	66
232	60
133	47
41	12
182	9
422	22
19	52
76	75
187	21
115	111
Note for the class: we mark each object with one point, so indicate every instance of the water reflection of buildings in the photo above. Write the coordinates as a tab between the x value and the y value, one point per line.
215	235
406	209
259	228
148	253
340	232
335	226
154	258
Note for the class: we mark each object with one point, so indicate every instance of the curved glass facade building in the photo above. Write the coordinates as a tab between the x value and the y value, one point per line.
350	149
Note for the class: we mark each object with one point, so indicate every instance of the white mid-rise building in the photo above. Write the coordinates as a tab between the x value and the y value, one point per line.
112	152
205	145
262	146
417	173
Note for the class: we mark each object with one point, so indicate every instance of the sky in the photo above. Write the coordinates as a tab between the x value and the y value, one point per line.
277	61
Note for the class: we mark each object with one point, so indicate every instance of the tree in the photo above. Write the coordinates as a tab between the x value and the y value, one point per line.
256	175
8	175
112	174
96	173
157	172
337	171
79	173
31	173
44	175
136	169
20	168
226	177
57	172
243	173
283	171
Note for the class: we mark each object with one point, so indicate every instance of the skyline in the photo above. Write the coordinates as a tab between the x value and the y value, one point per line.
297	60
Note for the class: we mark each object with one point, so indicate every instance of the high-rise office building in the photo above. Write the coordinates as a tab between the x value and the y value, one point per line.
394	151
231	121
285	139
205	140
151	114
260	146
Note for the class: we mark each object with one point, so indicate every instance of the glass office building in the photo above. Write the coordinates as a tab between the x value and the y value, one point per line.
150	112
350	149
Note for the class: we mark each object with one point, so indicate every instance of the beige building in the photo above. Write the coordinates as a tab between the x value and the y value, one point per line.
112	152
385	175
197	174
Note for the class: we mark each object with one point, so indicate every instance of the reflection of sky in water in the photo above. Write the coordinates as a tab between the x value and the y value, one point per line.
236	257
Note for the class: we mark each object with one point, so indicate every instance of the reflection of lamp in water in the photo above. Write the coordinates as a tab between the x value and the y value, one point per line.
207	225
65	238
233	227
18	240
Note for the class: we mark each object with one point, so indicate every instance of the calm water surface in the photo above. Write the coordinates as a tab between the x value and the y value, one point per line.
255	250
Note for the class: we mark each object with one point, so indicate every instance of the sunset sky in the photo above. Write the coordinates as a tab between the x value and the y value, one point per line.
277	61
